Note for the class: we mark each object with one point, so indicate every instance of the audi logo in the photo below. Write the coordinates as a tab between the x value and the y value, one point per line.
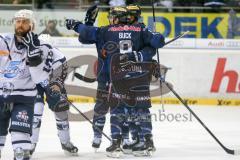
177	43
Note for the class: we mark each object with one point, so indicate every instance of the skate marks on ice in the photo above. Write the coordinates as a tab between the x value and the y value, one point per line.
173	140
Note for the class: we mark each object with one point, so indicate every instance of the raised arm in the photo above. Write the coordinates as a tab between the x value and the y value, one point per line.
153	39
87	34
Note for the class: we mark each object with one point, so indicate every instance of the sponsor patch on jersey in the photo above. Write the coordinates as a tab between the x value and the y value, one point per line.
124	28
18	52
22	116
4	53
20	124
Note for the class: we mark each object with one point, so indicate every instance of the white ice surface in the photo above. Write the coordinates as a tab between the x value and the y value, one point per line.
173	140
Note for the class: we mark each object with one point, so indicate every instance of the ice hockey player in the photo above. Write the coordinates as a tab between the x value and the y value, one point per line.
59	106
21	68
49	56
101	108
110	36
140	134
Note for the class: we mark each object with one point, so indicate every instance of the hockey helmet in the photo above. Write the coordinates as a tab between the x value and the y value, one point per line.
119	12
134	10
26	14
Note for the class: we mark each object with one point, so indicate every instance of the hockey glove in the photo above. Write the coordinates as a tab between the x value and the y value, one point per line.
131	56
72	24
91	15
159	72
56	97
156	69
34	53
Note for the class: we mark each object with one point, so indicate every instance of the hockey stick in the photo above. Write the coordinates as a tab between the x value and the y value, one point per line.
179	36
105	135
85	79
162	80
229	151
56	88
158	59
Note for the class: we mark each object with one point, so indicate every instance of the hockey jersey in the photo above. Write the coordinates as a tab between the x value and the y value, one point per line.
17	78
109	37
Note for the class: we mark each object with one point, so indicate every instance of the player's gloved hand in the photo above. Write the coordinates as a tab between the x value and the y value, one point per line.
131	56
56	96
159	72
156	69
34	53
91	15
72	24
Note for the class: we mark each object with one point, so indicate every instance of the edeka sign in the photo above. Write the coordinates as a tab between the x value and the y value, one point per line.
201	25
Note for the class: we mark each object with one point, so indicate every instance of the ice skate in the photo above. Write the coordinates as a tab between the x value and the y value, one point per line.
139	149
149	144
96	143
70	149
127	145
33	147
20	154
114	150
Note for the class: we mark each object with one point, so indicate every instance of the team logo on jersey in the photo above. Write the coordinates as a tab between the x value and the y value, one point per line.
109	48
22	116
12	69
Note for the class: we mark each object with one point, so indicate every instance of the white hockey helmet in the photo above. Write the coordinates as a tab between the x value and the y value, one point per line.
26	14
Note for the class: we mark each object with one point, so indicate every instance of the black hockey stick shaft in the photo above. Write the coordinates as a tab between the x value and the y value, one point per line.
158	58
229	151
85	79
174	39
105	135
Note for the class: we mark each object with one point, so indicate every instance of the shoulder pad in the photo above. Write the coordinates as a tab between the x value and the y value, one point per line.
47	45
7	37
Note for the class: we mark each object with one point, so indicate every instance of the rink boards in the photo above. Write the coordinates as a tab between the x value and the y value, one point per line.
201	76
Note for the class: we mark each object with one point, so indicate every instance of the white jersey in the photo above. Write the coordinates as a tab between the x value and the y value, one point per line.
58	58
15	75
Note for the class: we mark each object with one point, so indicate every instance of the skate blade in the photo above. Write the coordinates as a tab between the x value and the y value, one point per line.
70	154
127	151
140	153
95	150
149	153
114	154
152	149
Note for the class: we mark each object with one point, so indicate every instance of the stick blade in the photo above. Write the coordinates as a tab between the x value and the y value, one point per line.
237	152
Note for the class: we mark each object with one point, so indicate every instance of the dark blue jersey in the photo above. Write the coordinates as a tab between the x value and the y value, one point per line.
115	39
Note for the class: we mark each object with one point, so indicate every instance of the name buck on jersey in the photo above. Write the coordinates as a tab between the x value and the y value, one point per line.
124	35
